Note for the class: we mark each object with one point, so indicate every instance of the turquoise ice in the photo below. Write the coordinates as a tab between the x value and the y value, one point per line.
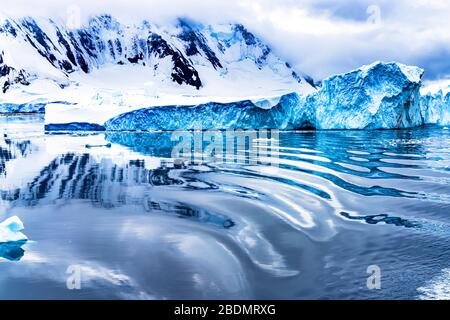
377	96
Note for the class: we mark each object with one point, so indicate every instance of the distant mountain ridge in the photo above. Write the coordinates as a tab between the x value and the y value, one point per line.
186	52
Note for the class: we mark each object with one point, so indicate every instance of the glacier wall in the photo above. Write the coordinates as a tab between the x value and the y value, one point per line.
435	108
236	115
377	96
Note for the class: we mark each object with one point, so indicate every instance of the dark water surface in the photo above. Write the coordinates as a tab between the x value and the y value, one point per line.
302	221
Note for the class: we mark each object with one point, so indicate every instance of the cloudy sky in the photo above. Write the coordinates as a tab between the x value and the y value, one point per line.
318	37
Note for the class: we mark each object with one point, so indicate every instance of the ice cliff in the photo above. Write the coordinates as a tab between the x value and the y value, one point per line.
435	108
242	114
377	96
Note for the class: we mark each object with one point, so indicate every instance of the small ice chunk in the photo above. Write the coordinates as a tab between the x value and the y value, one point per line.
10	230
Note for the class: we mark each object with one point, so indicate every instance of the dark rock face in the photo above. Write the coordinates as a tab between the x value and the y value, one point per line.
11	77
8	28
183	71
196	44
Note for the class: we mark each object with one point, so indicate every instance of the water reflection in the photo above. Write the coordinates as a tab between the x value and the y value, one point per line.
382	218
12	251
82	177
279	217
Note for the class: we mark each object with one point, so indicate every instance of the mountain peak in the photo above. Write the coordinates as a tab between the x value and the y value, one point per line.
186	53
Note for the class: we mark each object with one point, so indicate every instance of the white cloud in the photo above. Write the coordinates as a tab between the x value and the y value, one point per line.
319	37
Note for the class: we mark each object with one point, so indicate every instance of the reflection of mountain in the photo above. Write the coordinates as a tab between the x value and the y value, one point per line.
72	176
106	184
11	150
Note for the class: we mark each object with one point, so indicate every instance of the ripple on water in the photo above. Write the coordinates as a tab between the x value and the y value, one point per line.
304	220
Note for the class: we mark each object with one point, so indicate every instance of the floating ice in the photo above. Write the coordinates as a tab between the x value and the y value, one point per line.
10	230
242	114
377	96
74	126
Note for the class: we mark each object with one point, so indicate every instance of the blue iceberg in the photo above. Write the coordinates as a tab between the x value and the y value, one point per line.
74	126
377	96
244	114
10	230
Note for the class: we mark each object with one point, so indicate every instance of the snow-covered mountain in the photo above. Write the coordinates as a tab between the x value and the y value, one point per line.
40	55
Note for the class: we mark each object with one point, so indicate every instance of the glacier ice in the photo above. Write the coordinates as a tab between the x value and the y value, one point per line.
435	108
242	114
10	230
377	96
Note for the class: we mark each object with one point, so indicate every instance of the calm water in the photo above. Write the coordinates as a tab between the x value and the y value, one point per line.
303	221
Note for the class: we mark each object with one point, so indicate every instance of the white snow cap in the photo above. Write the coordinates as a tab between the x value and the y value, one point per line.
10	230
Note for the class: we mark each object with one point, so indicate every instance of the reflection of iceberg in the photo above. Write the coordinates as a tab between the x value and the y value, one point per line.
157	144
12	250
10	230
